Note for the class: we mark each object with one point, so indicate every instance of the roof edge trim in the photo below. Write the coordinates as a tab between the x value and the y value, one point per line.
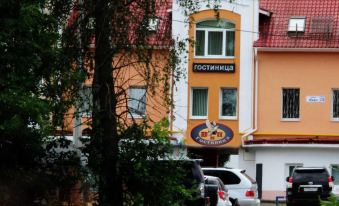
291	146
271	49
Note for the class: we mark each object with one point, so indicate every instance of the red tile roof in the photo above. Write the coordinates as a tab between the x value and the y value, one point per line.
321	28
163	12
159	38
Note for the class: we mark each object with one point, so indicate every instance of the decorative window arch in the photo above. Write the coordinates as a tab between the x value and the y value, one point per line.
215	39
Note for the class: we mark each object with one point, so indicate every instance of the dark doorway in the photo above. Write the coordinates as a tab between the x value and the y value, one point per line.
259	179
212	157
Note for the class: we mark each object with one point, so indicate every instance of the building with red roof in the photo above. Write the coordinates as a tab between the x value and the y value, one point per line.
296	118
143	43
320	22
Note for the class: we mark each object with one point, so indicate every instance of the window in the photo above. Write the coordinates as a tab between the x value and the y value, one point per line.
228	103
335	104
228	177
199	102
335	173
290	168
153	24
137	101
290	104
296	24
85	102
91	23
215	38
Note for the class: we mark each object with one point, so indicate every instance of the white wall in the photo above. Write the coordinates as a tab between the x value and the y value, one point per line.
249	28
179	33
233	162
274	162
247	161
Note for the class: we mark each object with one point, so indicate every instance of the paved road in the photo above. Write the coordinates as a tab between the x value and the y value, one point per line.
271	204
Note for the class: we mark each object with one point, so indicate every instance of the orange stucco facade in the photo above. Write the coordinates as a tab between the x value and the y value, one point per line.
214	82
133	74
315	74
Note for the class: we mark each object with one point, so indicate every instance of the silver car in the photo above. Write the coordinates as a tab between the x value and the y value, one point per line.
240	185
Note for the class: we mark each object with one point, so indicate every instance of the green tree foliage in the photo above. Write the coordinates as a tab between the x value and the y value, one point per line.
332	201
123	42
149	175
37	87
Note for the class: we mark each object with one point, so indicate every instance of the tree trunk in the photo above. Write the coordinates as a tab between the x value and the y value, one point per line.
105	137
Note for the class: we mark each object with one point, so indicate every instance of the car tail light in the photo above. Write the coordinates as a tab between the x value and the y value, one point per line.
222	194
249	193
202	189
290	182
330	181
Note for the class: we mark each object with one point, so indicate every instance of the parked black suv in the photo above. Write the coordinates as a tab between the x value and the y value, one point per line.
307	185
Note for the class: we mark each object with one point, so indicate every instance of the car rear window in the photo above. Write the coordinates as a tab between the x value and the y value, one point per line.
318	174
212	182
248	177
227	177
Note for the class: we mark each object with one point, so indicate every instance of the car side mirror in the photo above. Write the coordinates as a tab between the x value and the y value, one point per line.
287	178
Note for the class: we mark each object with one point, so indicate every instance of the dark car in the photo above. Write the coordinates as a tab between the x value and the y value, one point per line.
216	191
194	178
307	185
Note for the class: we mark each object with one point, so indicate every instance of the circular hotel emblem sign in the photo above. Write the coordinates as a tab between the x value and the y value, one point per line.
212	134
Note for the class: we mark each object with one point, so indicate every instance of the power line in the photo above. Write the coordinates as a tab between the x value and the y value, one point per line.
281	32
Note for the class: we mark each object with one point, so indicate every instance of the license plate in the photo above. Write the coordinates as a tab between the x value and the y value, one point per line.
310	189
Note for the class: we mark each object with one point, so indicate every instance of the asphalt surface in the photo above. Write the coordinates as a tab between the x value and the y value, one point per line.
271	204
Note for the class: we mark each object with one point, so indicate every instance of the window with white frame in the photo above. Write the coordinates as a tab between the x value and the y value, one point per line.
335	103
215	38
199	98
228	103
290	103
137	101
296	24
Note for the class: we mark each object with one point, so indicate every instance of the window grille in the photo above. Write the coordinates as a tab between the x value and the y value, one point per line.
321	24
291	103
335	103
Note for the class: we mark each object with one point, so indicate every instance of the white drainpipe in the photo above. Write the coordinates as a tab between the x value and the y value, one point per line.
255	106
